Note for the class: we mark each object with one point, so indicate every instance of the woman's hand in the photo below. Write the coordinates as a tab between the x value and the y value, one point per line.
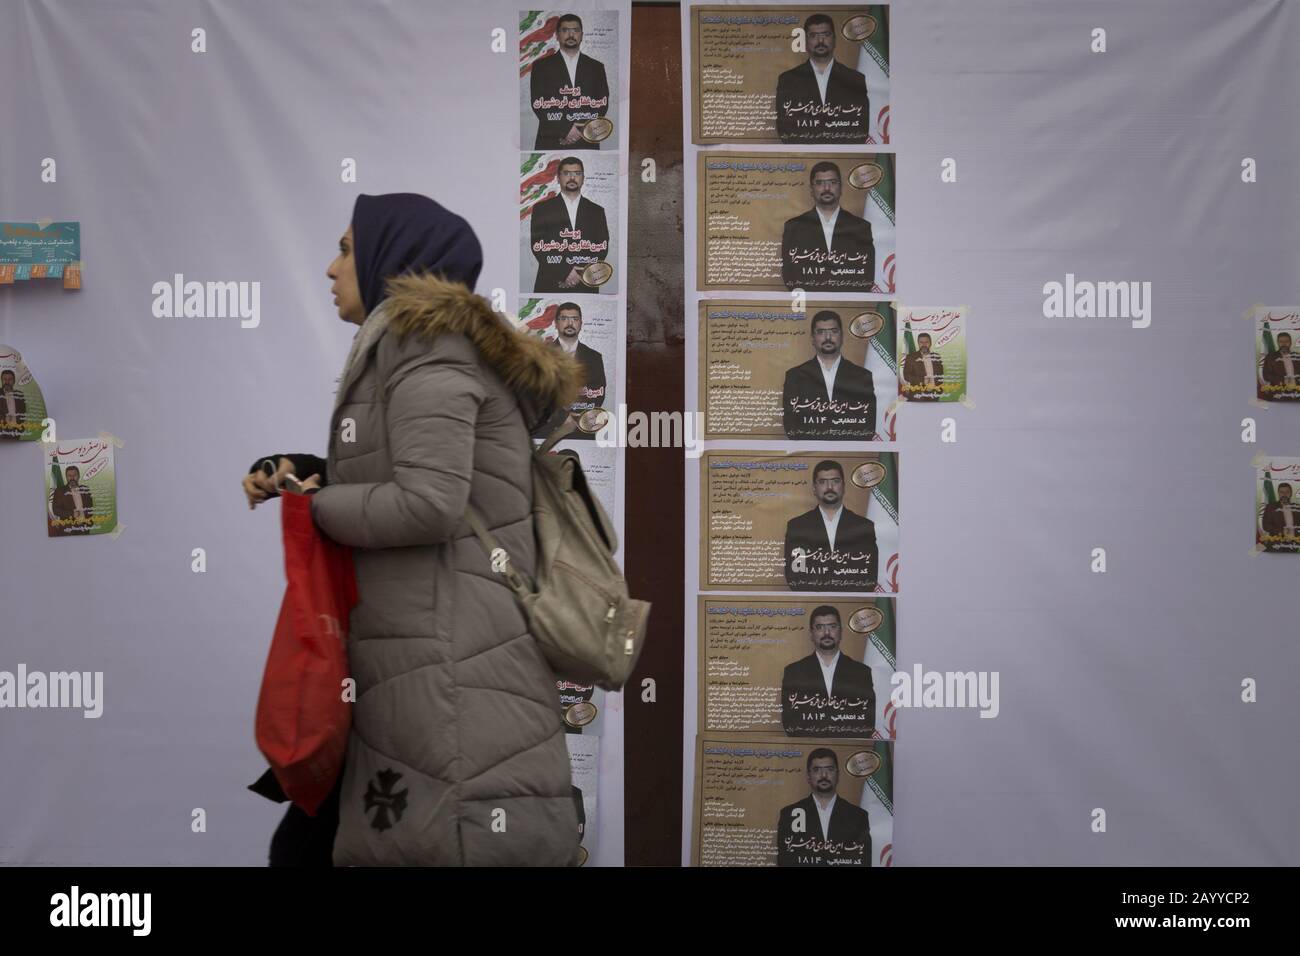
258	486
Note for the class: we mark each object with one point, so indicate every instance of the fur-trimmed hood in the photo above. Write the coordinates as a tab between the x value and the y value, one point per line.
541	376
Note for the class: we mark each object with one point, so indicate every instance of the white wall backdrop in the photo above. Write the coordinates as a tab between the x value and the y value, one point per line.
1121	690
220	165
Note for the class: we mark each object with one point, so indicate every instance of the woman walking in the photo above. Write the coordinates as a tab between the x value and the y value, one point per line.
457	752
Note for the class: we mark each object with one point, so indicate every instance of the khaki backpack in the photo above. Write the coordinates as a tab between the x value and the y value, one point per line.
578	608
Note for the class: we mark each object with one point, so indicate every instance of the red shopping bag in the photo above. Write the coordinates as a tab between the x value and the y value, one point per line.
302	719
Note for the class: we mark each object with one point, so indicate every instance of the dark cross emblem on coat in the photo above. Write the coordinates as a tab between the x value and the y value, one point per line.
385	799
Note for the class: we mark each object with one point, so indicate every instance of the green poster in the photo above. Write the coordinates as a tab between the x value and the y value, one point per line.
932	354
1277	509
22	407
80	488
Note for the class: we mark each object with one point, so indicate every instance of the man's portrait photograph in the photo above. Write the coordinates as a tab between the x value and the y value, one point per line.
805	521
811	221
823	373
827	693
1277	360
568	223
1277	523
828	397
568	79
823	829
802	75
830	547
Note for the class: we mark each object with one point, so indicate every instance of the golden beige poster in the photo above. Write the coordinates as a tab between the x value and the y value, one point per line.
776	802
825	372
772	521
803	668
820	222
803	75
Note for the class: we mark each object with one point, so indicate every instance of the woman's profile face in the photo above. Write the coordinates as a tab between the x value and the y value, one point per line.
347	292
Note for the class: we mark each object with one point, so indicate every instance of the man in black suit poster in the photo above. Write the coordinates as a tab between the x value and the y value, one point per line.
827	694
821	100
923	372
568	232
567	89
13	405
830	548
1281	369
827	248
822	829
1281	519
828	397
568	326
72	501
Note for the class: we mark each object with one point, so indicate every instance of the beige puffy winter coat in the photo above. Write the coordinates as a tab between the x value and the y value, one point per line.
457	754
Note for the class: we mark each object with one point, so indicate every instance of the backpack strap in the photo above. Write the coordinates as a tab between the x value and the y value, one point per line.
554	437
497	555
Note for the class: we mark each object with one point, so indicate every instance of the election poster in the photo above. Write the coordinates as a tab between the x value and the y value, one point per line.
826	372
80	488
569	79
586	327
932	354
22	406
1277	362
584	764
1277	510
820	222
582	707
40	250
569	223
780	802
799	522
813	668
794	74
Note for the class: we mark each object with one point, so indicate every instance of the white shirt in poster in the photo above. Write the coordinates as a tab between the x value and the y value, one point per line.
571	61
828	375
823	78
831	524
824	814
828	671
828	226
572	206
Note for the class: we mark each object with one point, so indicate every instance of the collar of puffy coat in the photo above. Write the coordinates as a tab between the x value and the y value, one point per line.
541	378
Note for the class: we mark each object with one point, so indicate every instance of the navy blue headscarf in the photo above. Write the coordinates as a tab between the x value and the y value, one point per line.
406	232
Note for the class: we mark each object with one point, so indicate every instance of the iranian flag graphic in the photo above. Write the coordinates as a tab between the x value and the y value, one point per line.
873	63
